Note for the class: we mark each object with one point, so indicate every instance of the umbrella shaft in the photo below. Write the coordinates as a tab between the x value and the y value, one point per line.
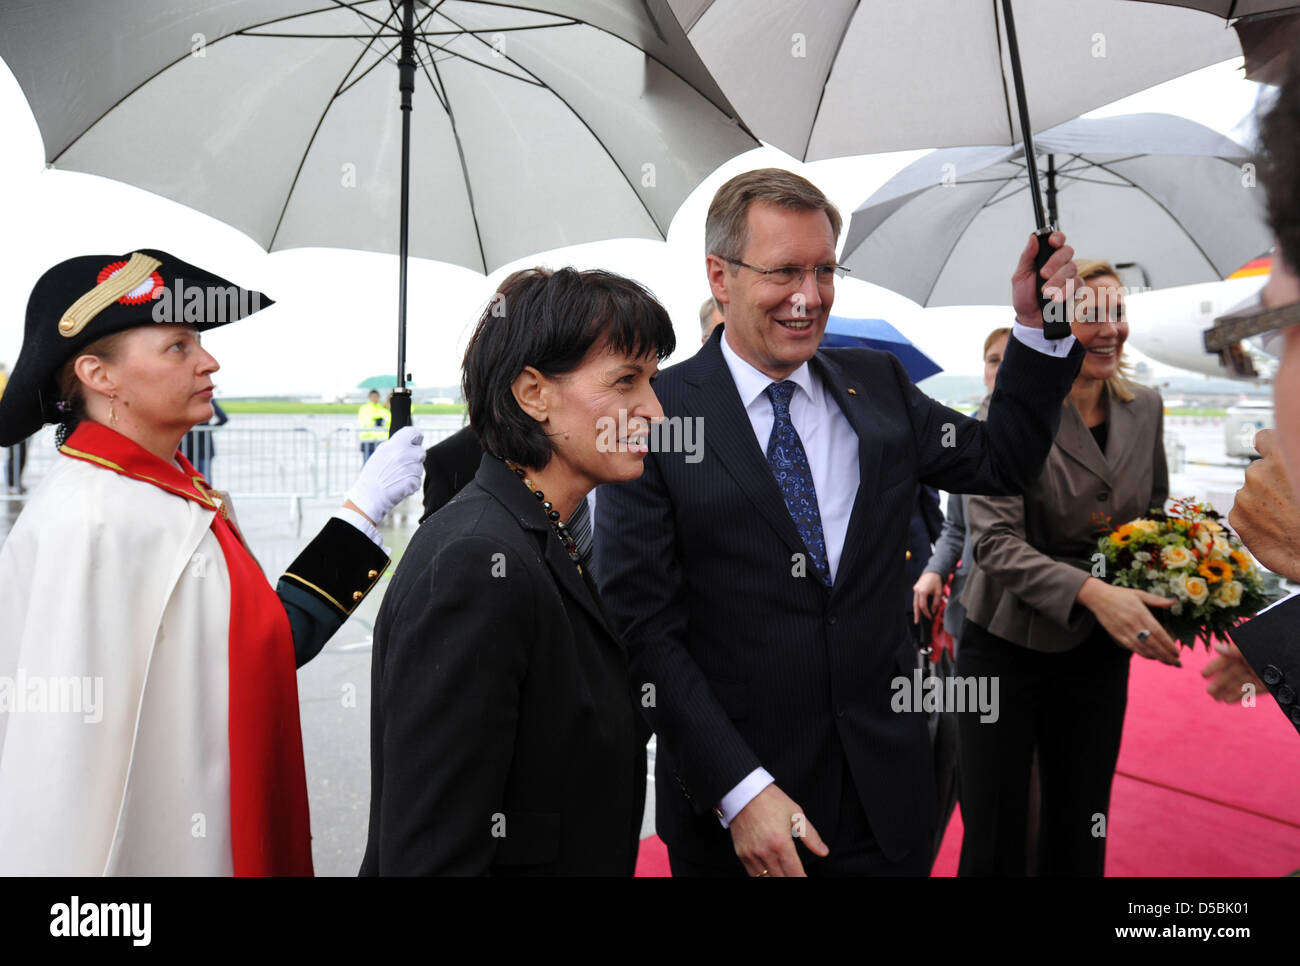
1026	130
406	83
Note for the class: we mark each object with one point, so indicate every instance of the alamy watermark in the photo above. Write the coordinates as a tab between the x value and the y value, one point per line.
43	694
671	434
206	305
931	693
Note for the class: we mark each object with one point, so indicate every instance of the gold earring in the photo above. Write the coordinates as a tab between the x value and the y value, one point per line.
112	412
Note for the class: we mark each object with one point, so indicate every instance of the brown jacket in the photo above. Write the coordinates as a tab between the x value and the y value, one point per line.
1033	552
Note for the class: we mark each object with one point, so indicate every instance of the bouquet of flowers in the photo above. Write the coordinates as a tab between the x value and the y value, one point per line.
1187	554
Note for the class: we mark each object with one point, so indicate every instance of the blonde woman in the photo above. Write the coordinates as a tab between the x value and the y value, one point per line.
1057	639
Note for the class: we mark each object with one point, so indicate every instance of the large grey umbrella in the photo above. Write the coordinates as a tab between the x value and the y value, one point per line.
829	78
535	125
1162	191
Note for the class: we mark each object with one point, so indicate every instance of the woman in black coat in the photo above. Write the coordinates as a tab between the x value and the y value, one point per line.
503	725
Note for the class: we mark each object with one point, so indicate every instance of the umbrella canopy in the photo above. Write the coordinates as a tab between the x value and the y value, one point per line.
879	334
827	78
534	126
1160	191
1268	30
378	382
1229	9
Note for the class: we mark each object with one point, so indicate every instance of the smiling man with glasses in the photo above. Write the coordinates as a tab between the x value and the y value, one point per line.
757	587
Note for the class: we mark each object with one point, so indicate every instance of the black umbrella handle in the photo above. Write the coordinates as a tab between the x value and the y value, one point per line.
400	407
1056	315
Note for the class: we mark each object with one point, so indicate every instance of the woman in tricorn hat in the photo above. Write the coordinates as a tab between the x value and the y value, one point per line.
151	721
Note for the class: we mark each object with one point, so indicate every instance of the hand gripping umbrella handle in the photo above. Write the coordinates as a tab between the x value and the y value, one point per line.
401	410
1056	316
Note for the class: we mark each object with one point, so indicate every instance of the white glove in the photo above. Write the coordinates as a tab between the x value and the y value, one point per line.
390	475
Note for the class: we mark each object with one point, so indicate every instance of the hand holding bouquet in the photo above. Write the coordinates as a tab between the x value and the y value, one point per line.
1189	556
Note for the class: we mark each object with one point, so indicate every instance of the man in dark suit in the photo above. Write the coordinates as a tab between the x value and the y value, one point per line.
448	465
757	581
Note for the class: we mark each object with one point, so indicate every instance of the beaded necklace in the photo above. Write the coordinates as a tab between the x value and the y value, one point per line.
552	515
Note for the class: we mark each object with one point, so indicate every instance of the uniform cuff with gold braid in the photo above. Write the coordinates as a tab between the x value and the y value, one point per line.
339	567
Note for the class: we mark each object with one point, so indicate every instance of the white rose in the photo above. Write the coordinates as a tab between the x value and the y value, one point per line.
1229	594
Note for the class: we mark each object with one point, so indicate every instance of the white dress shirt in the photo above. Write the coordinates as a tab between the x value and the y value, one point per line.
832	449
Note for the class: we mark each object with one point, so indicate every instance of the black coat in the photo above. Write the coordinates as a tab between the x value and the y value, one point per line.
751	664
502	727
1269	642
449	464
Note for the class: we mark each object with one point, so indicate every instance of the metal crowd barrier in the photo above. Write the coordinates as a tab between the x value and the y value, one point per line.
291	461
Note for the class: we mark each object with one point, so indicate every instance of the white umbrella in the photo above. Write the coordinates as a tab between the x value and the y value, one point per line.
1163	192
534	125
830	78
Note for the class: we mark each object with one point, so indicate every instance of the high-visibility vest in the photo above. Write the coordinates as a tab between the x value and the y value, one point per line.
373	419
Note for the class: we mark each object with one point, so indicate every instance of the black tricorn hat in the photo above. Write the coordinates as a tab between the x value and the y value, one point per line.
88	297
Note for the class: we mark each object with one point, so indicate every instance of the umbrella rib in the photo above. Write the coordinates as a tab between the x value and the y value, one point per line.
1172	217
293	185
698	17
1006	95
425	34
1015	184
169	65
663	232
383	58
578	21
807	143
460	154
397	34
956	240
531	79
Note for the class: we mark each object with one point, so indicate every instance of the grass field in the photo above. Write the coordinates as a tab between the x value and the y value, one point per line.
281	407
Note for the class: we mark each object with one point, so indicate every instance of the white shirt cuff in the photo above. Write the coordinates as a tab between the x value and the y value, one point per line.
362	524
735	800
1034	339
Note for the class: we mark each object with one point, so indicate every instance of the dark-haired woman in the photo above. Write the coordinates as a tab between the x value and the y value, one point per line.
503	729
151	723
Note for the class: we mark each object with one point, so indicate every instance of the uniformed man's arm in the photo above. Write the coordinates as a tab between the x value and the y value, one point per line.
327	582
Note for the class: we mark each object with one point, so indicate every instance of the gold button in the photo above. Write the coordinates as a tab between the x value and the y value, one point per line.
372	575
357	595
853	392
909	555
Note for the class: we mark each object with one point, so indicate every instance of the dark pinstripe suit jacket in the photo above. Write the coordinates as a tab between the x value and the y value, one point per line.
742	663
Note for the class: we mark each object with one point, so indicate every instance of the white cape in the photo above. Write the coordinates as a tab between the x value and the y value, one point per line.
114	619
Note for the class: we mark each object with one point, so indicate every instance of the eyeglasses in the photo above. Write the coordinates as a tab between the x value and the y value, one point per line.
1224	339
795	274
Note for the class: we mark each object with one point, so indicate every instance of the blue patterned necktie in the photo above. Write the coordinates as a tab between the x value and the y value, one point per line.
789	462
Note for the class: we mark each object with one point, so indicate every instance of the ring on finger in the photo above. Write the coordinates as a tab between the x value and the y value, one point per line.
1143	634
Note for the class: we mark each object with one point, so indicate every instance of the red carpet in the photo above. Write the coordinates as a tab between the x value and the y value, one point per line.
1202	788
